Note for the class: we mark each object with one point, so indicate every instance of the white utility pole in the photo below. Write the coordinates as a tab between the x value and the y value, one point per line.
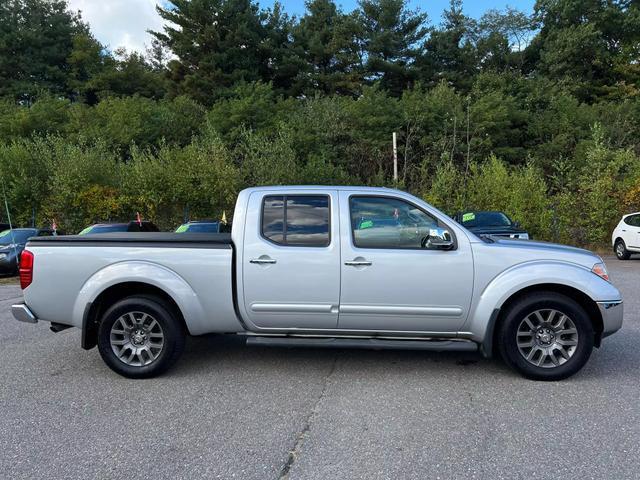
395	158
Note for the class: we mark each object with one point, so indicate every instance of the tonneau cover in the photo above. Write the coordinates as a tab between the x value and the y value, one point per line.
139	237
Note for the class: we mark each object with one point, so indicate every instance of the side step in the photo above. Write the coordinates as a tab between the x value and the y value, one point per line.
373	343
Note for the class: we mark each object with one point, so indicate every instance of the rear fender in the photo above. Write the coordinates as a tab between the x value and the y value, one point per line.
143	272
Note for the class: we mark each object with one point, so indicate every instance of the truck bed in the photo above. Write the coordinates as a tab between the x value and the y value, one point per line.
194	269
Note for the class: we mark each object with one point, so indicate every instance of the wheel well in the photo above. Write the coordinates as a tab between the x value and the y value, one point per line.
113	294
590	306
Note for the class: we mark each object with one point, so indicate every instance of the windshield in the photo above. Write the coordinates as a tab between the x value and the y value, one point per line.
104	229
19	236
212	227
485	219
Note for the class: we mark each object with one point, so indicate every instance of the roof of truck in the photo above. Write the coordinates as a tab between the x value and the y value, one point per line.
322	187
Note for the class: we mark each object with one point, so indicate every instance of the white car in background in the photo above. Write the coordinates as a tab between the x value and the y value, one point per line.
626	236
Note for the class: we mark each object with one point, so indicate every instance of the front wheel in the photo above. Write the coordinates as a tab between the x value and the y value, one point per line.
546	336
140	337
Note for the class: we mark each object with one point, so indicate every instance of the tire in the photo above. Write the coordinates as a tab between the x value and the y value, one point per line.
620	249
140	337
556	352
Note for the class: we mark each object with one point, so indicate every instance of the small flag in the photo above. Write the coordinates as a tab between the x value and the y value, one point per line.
224	218
139	218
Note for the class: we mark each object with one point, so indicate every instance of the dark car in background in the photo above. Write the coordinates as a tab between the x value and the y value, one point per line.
204	226
491	223
12	243
133	226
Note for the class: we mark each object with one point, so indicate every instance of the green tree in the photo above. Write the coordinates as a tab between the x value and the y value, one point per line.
391	34
217	44
127	74
449	51
594	43
36	40
325	39
501	38
253	106
123	122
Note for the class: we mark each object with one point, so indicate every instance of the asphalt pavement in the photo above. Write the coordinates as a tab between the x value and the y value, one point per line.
231	411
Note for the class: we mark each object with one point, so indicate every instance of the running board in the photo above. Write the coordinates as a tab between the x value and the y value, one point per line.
373	343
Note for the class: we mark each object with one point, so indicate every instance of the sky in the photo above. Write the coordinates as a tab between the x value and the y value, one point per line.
124	23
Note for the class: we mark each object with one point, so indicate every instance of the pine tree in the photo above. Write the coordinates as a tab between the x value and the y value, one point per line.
325	39
218	43
391	36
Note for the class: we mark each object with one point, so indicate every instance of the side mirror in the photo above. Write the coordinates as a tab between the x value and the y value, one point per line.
516	224
438	239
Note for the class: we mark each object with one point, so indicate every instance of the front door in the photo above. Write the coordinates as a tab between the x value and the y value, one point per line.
391	281
291	260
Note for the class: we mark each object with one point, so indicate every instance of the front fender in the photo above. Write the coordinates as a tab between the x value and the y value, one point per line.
144	272
498	290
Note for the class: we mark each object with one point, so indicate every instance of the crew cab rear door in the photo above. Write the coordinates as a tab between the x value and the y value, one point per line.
291	259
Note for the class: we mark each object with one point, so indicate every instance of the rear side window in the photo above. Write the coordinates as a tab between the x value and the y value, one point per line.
633	220
296	220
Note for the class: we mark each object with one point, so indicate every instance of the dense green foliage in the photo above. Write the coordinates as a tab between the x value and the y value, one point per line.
535	115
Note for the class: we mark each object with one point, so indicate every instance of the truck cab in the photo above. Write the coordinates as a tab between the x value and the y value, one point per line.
337	254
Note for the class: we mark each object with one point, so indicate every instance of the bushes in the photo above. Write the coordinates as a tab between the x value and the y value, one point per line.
493	185
593	201
510	145
80	184
583	212
200	180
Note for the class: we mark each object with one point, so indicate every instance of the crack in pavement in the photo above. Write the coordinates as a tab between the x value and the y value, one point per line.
301	437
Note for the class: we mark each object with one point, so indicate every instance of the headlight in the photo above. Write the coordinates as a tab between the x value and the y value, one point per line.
524	236
600	270
3	256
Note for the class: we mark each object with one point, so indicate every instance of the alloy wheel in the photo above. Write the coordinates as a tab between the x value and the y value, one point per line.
547	338
136	339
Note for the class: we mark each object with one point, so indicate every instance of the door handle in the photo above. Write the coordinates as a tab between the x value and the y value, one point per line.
262	261
358	263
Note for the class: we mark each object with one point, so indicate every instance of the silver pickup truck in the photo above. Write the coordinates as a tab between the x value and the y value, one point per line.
324	267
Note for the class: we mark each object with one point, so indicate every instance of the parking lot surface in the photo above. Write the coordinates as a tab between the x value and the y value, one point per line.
230	411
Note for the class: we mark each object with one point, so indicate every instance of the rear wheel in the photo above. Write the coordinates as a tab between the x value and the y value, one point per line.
621	250
140	337
546	336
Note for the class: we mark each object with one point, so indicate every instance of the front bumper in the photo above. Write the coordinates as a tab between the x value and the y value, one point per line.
612	313
22	313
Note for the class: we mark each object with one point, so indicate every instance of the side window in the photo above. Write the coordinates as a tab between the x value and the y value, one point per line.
379	222
296	220
633	220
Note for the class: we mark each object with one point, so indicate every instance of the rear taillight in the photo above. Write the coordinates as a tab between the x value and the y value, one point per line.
26	269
